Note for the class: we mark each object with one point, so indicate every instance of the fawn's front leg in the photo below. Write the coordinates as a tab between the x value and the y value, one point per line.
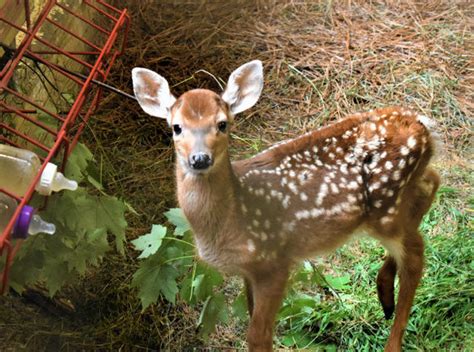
267	288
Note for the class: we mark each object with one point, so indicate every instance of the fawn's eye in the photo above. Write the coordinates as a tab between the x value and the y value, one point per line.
177	129
222	126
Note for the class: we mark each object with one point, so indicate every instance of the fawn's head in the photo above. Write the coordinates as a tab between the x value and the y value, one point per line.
200	118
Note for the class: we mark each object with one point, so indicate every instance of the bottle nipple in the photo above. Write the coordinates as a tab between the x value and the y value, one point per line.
60	182
52	180
38	225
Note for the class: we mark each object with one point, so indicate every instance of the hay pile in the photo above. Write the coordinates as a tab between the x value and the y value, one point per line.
322	59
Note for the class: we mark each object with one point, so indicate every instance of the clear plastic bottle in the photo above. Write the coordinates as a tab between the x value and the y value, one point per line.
18	167
27	223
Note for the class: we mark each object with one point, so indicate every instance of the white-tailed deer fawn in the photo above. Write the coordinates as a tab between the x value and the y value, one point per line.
257	217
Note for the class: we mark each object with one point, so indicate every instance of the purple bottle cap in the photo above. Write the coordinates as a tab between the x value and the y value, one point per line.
23	222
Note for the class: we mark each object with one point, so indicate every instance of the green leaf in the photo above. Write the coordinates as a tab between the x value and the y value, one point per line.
78	162
206	280
295	338
150	242
152	278
79	210
89	251
56	273
25	270
339	283
95	183
239	307
177	218
214	311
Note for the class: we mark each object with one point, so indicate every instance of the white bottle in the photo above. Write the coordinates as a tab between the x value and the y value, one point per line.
18	167
27	223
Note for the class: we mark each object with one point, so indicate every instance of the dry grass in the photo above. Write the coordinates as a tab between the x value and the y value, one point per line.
322	59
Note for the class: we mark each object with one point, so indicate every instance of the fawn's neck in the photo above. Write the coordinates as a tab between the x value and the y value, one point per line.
207	200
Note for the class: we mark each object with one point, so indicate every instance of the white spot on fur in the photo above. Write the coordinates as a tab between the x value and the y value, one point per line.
374	186
266	224
289	226
286	202
317	212
323	191
343	169
396	175
411	142
293	187
404	150
302	214
303	196
388	165
352	185
250	246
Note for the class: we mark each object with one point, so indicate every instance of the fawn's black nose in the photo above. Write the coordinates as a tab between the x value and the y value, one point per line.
200	161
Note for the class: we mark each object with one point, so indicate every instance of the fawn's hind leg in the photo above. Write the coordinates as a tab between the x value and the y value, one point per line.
410	268
249	294
409	259
385	286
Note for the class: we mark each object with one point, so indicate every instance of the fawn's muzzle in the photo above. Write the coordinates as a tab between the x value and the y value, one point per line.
200	161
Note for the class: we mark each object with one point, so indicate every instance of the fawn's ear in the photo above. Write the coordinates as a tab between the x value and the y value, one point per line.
152	92
244	87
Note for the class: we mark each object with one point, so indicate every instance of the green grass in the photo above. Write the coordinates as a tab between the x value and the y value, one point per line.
350	317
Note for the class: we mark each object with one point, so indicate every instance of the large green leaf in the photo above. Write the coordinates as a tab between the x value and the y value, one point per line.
239	307
80	211
214	311
205	281
78	162
177	218
153	278
150	242
339	283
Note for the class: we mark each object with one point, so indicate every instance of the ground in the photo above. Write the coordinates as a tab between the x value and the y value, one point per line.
322	60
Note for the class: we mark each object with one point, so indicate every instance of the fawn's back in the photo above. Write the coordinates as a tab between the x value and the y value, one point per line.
309	194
